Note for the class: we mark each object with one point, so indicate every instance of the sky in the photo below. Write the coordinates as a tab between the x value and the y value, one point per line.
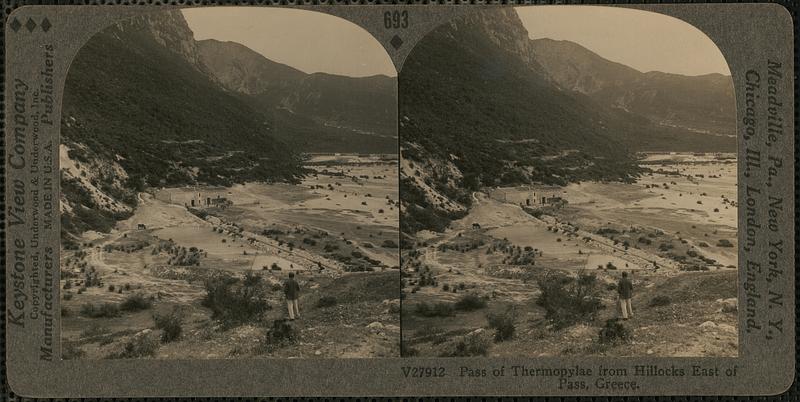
643	40
306	40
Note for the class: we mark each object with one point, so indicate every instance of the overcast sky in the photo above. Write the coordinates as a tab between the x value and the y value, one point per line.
306	40
643	40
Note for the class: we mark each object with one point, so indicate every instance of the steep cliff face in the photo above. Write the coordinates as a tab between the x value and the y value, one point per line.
240	69
702	104
168	29
502	29
575	68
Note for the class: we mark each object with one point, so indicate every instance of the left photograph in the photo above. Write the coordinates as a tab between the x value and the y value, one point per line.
229	189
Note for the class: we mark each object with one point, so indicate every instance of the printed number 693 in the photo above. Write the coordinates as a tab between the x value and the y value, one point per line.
395	19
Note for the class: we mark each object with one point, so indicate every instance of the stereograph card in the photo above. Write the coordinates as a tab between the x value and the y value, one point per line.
328	200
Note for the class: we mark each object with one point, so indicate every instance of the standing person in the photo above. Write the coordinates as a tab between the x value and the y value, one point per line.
292	291
625	290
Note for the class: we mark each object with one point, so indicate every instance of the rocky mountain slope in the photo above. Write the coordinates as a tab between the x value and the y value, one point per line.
703	104
315	112
240	69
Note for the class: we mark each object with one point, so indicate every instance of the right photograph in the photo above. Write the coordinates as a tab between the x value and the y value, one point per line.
568	187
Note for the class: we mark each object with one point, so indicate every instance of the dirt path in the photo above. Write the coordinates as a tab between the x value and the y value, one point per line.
304	260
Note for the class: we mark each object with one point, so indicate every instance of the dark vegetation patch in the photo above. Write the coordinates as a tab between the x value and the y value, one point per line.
137	347
661	300
418	214
279	334
465	346
372	287
503	324
170	324
568	300
103	310
337	248
439	309
136	302
235	301
326	301
614	331
470	302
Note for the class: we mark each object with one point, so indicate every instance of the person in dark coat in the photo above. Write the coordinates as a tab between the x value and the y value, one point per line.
292	291
625	290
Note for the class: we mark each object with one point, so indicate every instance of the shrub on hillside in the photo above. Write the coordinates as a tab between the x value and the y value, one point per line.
660	301
281	333
724	243
440	309
613	332
470	302
234	301
326	301
503	324
170	324
138	347
474	344
136	302
106	310
568	300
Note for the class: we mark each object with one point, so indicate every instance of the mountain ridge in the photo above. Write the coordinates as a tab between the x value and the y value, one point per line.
700	103
237	60
332	112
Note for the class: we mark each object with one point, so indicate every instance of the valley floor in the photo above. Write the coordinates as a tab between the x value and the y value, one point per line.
675	234
336	232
